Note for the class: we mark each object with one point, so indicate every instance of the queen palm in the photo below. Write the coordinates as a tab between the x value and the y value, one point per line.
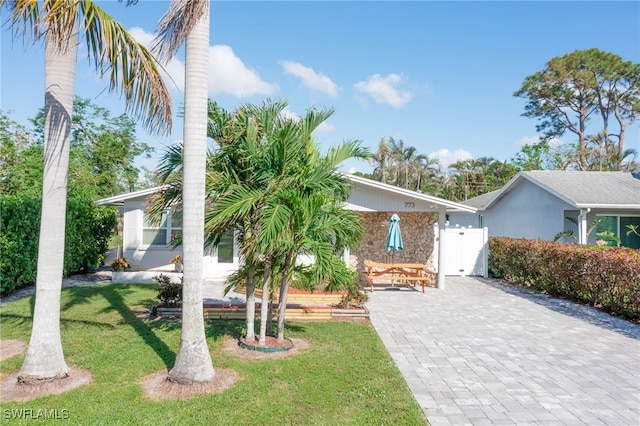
189	21
239	180
131	70
293	197
319	227
268	181
244	175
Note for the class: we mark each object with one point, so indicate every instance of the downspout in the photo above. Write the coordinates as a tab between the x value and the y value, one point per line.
582	226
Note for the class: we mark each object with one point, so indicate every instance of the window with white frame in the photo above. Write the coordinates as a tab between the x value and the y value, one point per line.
161	234
619	226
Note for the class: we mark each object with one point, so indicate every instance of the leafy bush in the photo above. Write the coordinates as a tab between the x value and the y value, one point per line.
604	277
87	234
169	293
354	298
120	264
19	223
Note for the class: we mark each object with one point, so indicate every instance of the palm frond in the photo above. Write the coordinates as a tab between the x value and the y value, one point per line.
131	67
176	24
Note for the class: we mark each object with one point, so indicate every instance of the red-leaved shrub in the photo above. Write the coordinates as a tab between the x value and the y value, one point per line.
607	278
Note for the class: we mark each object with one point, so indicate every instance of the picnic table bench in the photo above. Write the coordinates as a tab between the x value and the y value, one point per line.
410	273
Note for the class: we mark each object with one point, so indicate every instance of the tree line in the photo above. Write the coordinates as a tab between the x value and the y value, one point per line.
593	97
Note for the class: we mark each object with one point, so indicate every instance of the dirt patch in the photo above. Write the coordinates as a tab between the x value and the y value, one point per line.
11	348
11	390
157	387
231	346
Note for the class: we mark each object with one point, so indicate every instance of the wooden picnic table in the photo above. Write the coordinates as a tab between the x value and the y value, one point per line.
411	273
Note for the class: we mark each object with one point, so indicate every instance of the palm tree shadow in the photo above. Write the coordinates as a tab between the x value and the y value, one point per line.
217	329
142	327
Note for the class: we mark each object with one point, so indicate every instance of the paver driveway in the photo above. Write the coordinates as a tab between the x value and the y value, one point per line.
483	353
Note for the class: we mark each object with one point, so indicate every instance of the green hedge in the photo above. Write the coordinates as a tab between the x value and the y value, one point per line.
86	238
604	277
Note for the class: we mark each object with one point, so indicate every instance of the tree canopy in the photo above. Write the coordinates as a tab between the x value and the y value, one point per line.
591	94
103	154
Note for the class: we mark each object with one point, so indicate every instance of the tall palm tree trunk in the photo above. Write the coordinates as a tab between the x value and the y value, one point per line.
44	360
284	292
193	361
265	306
250	286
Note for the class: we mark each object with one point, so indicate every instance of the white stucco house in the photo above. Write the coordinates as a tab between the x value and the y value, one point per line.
536	205
148	247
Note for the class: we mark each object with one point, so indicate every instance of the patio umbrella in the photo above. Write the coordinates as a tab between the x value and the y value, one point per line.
394	237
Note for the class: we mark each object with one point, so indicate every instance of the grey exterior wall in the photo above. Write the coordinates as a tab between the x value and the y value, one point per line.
527	211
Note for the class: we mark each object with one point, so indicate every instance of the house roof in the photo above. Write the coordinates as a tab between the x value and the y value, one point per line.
602	190
118	200
436	202
479	201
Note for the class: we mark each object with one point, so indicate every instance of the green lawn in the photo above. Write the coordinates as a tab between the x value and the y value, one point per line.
115	241
345	377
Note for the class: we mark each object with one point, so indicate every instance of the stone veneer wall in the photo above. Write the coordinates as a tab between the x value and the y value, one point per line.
417	238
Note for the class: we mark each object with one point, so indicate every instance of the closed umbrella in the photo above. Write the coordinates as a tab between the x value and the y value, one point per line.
394	237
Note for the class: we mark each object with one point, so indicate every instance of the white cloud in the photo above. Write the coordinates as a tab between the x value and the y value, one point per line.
287	113
227	73
383	90
533	140
447	157
142	36
325	127
310	78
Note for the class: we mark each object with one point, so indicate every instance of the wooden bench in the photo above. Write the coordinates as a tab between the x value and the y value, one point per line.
410	273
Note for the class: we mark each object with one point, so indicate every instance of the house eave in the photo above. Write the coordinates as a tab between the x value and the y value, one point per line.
118	200
608	206
450	206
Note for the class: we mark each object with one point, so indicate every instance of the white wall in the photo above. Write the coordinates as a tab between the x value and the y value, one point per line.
145	257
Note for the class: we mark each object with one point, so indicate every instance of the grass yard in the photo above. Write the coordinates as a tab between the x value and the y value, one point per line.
345	377
115	241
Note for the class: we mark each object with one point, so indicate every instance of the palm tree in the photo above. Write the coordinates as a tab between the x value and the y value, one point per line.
381	161
244	175
317	226
424	167
189	20
268	181
133	72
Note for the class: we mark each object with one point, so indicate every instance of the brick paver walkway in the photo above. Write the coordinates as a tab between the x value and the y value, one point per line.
482	353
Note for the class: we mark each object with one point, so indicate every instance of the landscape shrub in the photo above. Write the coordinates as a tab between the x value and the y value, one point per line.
605	277
19	223
87	234
120	264
169	293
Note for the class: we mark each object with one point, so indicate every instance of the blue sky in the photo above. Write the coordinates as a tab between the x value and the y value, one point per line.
438	75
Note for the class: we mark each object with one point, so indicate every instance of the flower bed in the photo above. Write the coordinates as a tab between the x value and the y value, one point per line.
294	312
